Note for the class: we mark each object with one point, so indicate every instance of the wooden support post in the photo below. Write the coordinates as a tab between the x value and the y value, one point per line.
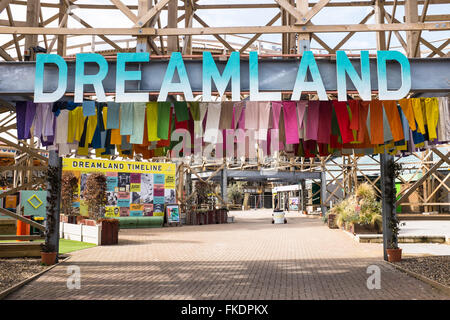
304	39
387	189
188	17
172	41
62	40
379	18
31	40
412	16
143	7
53	237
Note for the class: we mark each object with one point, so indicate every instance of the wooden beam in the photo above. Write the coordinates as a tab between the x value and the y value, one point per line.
394	9
151	13
365	3
422	179
437	17
411	16
432	48
315	10
291	10
440	48
46	22
16	41
142	42
422	19
351	34
25	168
321	42
4	4
230	30
5	55
256	36
125	10
172	14
33	9
61	47
104	38
219	38
396	33
23	149
379	18
441	155
12	237
23	219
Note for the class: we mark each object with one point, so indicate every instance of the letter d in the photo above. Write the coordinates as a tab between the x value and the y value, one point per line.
39	95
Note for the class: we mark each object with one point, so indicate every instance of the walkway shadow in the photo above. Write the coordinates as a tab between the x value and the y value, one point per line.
229	280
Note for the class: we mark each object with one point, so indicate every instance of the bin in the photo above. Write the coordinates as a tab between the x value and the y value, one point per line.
278	217
23	229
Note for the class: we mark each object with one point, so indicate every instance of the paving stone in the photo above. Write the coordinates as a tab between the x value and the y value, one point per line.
248	259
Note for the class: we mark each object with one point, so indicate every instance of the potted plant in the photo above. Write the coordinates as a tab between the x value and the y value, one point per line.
48	250
48	254
394	253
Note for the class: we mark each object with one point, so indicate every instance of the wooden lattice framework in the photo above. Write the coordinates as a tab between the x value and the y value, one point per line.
185	23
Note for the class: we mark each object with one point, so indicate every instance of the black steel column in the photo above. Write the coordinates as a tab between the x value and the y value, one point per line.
323	192
387	198
224	186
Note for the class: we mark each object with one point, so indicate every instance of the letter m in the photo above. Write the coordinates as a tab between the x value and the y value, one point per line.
231	72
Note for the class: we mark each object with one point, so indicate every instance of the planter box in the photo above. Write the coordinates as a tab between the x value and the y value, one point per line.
332	221
357	228
211	217
222	216
87	222
110	232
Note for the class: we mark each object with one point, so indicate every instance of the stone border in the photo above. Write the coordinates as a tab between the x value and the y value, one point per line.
429	281
378	238
17	286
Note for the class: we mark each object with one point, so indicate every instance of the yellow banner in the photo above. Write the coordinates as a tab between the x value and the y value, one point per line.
88	165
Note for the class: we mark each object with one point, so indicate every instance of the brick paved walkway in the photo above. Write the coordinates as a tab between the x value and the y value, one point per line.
250	259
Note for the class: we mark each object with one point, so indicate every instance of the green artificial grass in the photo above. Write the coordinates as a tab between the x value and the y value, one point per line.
66	246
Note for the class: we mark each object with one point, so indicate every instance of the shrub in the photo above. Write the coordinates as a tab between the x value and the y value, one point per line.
95	195
369	212
69	185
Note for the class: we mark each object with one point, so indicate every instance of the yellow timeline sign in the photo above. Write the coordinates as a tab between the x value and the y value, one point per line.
88	165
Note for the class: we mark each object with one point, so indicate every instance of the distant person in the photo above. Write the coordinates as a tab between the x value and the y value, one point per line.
286	204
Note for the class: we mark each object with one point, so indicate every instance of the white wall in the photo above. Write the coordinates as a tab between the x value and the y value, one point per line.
80	232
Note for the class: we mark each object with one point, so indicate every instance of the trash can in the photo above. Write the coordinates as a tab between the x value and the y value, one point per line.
278	217
23	228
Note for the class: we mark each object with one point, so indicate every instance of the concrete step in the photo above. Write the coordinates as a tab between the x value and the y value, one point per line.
378	238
